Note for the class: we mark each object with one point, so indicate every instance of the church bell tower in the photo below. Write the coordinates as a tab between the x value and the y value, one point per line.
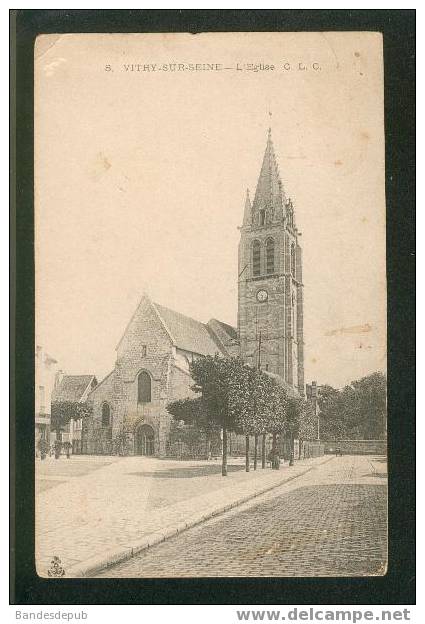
270	288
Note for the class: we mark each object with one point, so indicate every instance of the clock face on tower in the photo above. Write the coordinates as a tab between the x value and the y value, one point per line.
262	296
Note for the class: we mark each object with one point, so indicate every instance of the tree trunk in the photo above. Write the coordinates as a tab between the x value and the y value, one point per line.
274	451
263	451
255	451
291	460
247	453
224	462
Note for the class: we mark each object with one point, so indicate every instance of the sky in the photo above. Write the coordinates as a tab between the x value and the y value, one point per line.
140	181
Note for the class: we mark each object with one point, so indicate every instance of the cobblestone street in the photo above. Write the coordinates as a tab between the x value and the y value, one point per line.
331	521
89	508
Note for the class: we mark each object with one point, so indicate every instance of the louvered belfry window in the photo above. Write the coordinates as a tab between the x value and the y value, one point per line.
270	256
256	258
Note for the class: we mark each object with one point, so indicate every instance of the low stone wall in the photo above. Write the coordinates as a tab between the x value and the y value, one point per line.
356	447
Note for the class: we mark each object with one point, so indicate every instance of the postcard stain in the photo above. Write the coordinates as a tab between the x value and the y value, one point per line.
100	165
355	329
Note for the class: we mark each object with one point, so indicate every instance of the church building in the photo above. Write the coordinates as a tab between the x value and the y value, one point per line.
158	344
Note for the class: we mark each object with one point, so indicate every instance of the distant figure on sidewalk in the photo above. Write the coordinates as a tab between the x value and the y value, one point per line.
274	458
67	448
338	452
58	448
43	448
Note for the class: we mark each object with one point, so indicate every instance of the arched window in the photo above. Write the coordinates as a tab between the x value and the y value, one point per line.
262	217
270	255
256	258
106	415
144	388
293	259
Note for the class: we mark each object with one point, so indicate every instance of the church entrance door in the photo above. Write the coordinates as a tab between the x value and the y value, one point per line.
145	440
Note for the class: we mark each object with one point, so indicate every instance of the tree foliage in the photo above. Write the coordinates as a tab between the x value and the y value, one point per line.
64	411
237	397
358	411
213	377
192	425
294	416
194	413
240	397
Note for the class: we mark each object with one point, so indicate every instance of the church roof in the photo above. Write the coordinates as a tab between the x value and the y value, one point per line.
187	333
72	388
269	192
232	332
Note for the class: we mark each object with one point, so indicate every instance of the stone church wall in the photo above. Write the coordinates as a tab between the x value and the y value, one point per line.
97	439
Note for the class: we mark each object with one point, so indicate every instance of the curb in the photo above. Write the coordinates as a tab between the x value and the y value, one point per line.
112	557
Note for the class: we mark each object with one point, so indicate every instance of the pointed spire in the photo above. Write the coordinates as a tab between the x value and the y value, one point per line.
269	194
247	215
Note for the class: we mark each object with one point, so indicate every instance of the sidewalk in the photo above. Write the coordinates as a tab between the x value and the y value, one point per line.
97	513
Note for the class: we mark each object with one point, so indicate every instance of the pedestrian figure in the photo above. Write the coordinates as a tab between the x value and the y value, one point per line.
274	458
67	447
57	448
43	448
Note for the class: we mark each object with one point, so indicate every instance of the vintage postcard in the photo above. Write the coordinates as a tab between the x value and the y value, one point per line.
210	357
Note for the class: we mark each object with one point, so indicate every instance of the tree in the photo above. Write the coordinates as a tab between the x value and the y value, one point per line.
271	409
257	406
64	411
247	399
308	423
213	377
358	411
294	419
277	410
192	412
332	425
371	406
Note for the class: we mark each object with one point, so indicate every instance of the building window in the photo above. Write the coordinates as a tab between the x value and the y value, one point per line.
106	415
256	258
78	424
144	388
270	256
293	259
262	217
144	350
